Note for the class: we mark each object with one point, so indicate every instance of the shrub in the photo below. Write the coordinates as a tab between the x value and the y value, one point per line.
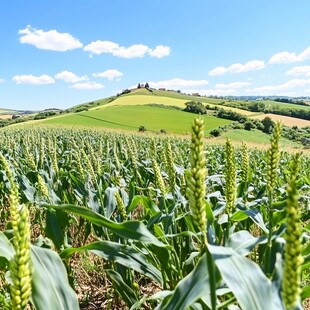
195	107
215	132
248	125
142	129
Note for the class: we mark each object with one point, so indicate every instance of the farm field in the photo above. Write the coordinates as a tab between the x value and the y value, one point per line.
254	138
286	120
271	103
142	99
132	117
123	220
5	116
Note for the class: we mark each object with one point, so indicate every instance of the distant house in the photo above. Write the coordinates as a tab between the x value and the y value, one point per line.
164	89
195	94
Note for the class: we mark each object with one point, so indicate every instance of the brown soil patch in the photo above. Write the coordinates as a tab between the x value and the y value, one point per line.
286	120
6	116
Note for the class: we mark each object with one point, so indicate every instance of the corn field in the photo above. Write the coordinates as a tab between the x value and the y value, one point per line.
164	223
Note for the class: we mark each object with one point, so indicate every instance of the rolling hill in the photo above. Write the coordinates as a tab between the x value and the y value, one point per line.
161	111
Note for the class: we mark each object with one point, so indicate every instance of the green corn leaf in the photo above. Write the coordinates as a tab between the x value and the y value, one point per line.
53	229
257	218
252	289
122	254
130	230
6	248
239	216
50	286
243	242
190	289
305	293
126	292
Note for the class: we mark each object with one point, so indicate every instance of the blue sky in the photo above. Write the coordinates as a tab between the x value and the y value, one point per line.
63	53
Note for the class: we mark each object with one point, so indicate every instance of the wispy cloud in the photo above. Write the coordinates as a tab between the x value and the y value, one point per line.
287	57
238	68
49	40
70	77
87	86
1	80
274	89
33	80
110	74
178	83
134	51
301	70
233	85
211	92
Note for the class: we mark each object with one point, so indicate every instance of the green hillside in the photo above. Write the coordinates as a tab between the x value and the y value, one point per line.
132	117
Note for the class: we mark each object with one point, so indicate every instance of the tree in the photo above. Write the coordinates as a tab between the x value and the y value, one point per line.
195	107
146	85
268	124
139	86
248	125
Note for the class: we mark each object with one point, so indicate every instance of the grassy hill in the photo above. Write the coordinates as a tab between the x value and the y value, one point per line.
131	117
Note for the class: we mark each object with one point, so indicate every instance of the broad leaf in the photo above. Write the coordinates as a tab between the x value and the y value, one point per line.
252	289
190	289
257	218
6	248
122	254
50	286
53	229
126	292
243	242
130	230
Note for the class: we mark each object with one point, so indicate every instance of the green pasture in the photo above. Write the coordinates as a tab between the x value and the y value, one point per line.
255	137
135	100
284	105
143	99
132	117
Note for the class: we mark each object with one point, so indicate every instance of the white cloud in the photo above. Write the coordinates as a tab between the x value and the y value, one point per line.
87	86
134	51
218	71
70	77
49	40
273	89
33	80
211	92
177	83
1	80
110	74
283	57
238	68
160	51
232	85
101	47
287	57
301	70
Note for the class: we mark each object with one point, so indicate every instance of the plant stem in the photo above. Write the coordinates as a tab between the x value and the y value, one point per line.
211	269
